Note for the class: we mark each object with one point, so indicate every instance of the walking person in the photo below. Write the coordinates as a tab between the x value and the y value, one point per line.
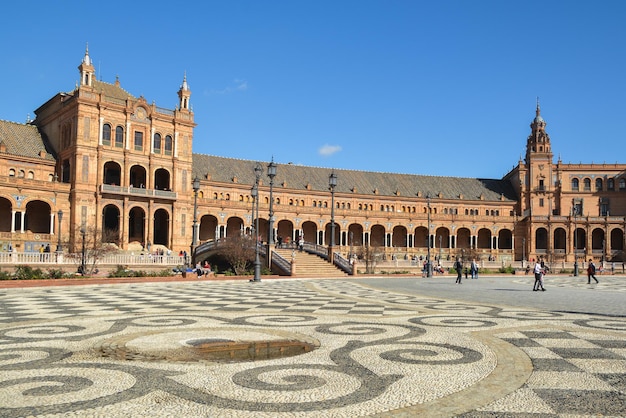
591	272
458	266
538	270
474	269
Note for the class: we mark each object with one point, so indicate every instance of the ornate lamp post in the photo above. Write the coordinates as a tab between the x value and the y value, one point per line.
194	235
429	267
60	216
258	170
271	173
332	183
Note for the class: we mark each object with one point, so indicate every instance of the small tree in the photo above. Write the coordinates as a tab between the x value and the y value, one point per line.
371	255
238	251
96	244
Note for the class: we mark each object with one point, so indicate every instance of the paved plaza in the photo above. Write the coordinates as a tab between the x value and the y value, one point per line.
387	347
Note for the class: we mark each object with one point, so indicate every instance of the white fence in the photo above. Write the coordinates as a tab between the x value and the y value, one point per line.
63	259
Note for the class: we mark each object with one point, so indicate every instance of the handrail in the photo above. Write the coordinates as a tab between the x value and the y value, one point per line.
342	263
281	262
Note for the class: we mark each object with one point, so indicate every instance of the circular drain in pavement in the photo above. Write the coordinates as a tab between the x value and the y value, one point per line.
225	345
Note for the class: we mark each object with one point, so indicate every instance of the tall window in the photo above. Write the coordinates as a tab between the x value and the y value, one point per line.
575	185
157	143
138	141
106	134
168	145
587	184
599	184
610	184
622	184
119	137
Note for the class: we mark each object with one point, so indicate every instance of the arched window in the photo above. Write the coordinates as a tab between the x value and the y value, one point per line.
11	172
21	174
106	134
156	144
599	184
119	137
587	184
31	175
610	184
168	145
575	185
622	184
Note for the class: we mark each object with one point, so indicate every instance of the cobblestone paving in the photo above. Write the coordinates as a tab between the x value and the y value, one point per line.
379	353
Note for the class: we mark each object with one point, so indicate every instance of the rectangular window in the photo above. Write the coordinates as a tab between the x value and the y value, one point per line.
184	180
138	141
540	203
87	127
85	177
541	185
183	224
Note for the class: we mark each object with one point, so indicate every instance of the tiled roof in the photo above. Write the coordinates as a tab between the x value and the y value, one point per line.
112	90
223	169
23	140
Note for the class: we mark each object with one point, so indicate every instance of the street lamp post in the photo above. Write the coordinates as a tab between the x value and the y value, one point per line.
258	171
429	267
440	248
523	251
332	183
271	173
575	210
194	235
82	258
60	216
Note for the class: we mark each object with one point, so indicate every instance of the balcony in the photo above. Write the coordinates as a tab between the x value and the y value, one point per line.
136	191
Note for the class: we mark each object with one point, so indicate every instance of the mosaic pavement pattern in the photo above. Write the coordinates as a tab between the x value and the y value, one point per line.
380	353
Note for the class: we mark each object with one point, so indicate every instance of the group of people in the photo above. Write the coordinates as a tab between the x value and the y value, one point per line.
473	270
541	269
203	269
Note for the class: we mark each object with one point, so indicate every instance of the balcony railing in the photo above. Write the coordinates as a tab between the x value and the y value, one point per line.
138	191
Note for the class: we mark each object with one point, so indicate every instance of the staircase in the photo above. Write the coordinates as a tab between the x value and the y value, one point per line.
310	265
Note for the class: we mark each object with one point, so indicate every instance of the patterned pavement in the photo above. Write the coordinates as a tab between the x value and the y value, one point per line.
111	351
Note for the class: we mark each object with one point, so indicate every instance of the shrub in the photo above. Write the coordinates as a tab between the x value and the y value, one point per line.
56	274
28	273
5	275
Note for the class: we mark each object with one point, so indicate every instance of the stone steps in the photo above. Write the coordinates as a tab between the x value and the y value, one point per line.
310	265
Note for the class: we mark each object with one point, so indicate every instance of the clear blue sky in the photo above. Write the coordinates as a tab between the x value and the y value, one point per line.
423	87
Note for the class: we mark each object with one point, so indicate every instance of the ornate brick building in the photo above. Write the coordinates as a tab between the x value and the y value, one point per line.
106	159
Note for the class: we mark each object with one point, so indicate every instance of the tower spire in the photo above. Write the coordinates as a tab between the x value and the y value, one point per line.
87	70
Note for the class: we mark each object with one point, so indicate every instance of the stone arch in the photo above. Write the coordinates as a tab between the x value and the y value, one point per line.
541	239
136	225
111	224
112	173
560	240
443	233
355	235
208	228
285	230
309	230
399	236
37	218
421	237
505	239
137	176
162	179
6	212
161	227
483	239
597	239
234	226
377	236
463	238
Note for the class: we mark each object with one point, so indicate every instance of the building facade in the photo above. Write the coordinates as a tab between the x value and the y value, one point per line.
97	157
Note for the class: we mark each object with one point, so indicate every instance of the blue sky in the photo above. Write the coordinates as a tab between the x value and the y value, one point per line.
444	88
